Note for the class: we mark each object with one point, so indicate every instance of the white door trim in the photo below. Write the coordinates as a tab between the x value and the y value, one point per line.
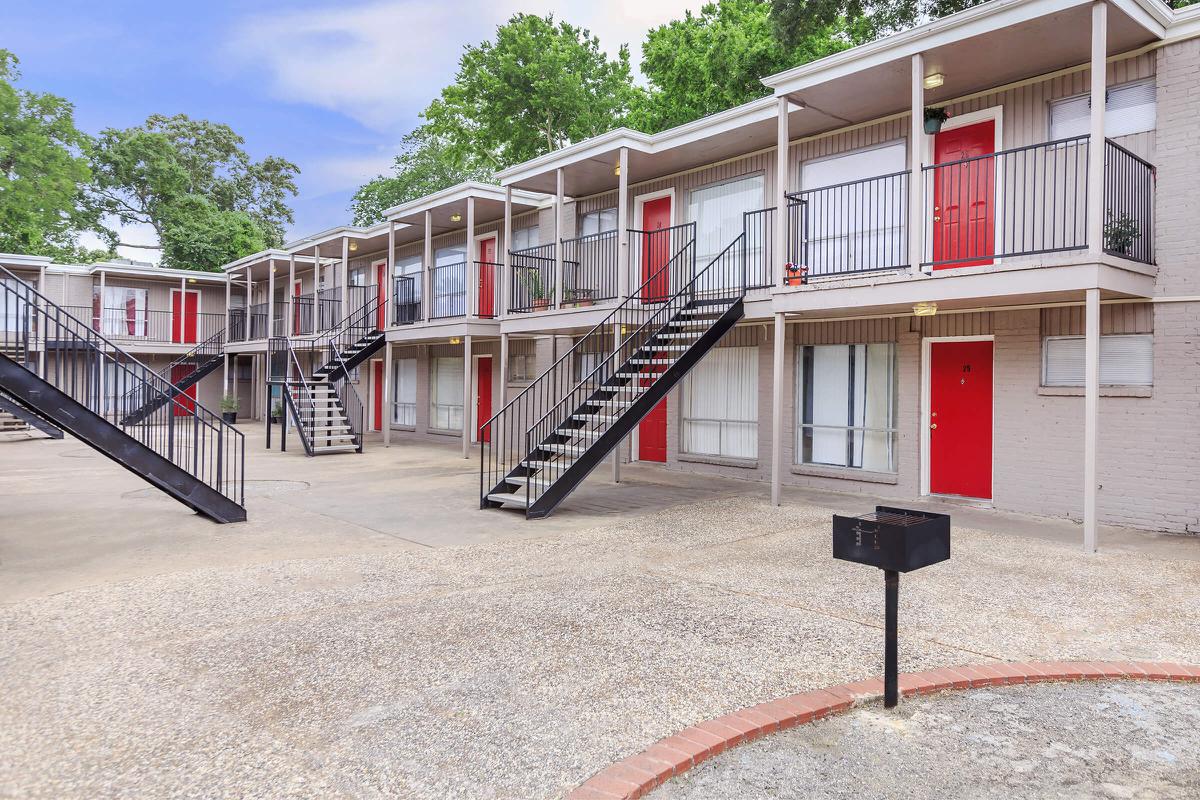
475	390
992	113
925	419
182	307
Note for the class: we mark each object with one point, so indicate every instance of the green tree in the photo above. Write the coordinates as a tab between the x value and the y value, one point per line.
796	19
423	167
192	182
43	173
539	86
715	60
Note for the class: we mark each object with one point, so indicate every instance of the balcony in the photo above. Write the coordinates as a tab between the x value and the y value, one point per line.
1013	204
132	325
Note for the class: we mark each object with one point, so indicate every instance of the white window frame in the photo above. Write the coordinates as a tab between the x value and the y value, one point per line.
722	423
434	405
1108	117
395	394
1108	337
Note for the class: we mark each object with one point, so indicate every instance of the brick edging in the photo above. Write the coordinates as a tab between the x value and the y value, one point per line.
635	776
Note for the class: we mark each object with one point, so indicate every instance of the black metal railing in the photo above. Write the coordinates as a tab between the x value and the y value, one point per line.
532	279
848	228
488	288
590	268
761	266
329	308
504	437
238	330
406	299
1128	204
97	374
199	357
303	313
1025	201
258	321
129	325
662	259
448	284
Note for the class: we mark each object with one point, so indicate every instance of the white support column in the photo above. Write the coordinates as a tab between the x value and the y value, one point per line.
472	298
427	272
503	370
616	454
916	153
388	400
506	277
558	232
228	300
270	330
779	232
290	294
1091	415
99	326
390	313
468	396
43	290
777	362
623	276
1095	198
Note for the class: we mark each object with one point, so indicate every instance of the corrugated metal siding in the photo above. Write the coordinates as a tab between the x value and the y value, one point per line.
851	331
974	324
1114	318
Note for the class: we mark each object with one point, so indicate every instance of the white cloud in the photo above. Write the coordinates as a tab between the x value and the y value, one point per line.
381	63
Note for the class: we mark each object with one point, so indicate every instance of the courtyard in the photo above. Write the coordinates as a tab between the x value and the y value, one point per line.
371	633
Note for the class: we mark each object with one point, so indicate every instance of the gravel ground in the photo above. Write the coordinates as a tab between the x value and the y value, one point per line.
1119	740
517	669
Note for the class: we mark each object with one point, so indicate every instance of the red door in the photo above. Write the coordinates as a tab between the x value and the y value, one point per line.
960	418
487	278
377	381
656	249
185	401
297	290
184	312
381	292
964	229
652	430
483	398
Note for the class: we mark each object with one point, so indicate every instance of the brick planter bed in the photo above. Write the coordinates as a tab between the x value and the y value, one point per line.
635	776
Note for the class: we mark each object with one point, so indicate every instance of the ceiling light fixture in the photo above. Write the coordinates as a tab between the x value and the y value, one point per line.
617	169
456	217
935	80
353	245
925	309
455	340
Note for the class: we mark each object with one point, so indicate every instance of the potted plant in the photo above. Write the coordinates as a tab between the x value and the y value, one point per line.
795	274
934	119
277	411
580	297
229	408
1120	232
532	279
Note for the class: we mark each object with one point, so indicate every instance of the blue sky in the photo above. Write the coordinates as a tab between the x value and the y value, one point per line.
333	86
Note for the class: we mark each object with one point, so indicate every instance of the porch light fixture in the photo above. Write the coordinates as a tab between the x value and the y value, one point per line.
935	80
925	309
617	169
456	217
353	245
455	340
191	280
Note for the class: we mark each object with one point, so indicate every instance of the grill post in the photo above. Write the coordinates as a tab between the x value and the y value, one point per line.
891	646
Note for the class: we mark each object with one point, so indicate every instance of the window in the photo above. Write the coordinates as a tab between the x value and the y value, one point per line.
720	404
404	392
1125	360
598	222
446	394
1129	108
522	360
717	211
124	311
14	306
358	277
524	238
845	406
408	288
856	226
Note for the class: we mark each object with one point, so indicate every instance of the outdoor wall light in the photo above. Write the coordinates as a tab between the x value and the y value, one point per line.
456	217
925	309
455	340
191	280
617	169
935	80
353	245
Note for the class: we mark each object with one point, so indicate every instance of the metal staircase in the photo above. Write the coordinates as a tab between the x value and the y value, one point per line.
314	373
543	444
14	417
203	359
57	367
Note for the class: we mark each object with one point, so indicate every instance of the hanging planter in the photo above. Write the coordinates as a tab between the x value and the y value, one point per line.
934	119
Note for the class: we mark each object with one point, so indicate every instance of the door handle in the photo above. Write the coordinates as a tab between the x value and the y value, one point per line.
937	218
933	426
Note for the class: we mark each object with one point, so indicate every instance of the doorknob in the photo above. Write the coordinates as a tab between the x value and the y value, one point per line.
933	426
937	218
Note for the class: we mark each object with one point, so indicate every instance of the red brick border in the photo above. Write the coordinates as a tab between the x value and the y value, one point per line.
638	774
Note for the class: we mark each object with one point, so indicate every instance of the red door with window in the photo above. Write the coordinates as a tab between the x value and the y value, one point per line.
656	249
652	430
483	397
487	278
964	227
185	307
377	381
381	282
960	418
185	401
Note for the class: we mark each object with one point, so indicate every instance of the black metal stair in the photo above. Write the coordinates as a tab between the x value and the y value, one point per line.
204	358
9	405
545	442
81	386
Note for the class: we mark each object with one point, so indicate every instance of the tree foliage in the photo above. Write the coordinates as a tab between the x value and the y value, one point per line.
539	86
425	165
192	182
43	169
715	60
797	19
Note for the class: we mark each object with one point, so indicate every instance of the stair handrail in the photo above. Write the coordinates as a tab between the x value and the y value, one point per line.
229	471
165	372
346	387
311	401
